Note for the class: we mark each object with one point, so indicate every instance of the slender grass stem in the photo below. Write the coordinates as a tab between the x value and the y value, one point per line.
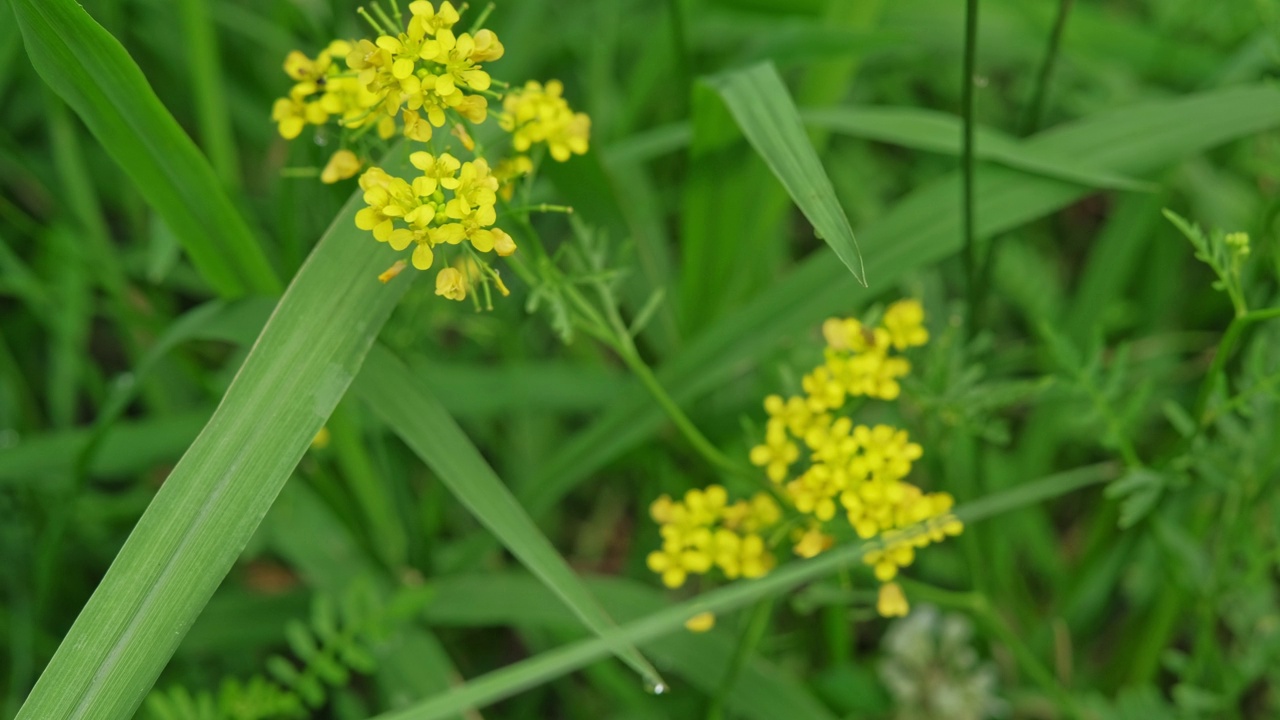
679	38
967	168
748	639
1035	108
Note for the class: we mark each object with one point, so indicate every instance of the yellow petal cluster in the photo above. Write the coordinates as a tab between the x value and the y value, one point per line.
322	91
449	202
418	74
426	71
837	477
703	531
857	471
342	165
538	113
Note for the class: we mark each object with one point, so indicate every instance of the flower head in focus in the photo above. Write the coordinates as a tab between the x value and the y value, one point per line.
417	73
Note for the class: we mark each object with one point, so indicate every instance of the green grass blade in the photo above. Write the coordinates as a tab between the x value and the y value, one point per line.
733	235
127	448
940	132
547	666
764	692
914	128
920	229
405	405
94	74
764	110
210	504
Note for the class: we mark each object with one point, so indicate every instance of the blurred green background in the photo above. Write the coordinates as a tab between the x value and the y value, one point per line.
1098	327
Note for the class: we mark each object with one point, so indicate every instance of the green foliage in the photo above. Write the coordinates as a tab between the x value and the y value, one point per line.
472	539
340	639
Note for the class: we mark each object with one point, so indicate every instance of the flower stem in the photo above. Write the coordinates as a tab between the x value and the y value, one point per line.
692	434
748	639
1225	349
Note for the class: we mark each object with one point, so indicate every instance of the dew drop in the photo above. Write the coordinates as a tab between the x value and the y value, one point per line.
655	687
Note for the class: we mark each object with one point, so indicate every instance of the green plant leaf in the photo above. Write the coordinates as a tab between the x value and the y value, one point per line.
409	408
764	110
94	74
549	665
764	691
210	504
939	132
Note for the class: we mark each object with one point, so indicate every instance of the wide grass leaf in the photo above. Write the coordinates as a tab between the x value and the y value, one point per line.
764	110
407	406
210	504
94	74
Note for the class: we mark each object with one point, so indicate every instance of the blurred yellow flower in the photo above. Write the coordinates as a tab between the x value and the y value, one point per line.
451	284
342	165
891	602
700	623
538	113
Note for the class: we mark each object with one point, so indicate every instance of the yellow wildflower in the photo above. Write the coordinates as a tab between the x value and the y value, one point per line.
392	272
794	412
700	623
891	602
502	243
904	320
451	284
776	454
321	440
702	531
812	542
342	165
538	113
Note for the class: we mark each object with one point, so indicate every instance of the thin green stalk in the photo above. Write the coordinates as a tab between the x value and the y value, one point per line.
748	639
679	38
612	331
835	626
1035	108
1230	339
692	434
979	607
1266	384
966	161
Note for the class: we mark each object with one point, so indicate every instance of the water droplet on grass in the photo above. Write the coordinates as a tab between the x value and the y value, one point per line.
655	687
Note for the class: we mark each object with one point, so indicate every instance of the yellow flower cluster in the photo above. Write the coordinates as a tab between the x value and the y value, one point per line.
538	113
855	471
403	213
322	91
704	531
411	79
856	468
427	70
